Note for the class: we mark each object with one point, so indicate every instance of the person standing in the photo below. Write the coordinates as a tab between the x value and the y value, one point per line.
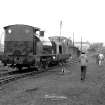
83	62
97	59
101	59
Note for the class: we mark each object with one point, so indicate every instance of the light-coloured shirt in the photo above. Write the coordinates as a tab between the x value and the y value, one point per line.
83	60
101	56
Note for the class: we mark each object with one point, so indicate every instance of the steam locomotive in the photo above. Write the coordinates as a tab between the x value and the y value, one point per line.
23	48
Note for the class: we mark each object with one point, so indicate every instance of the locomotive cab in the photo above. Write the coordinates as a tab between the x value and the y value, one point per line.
21	45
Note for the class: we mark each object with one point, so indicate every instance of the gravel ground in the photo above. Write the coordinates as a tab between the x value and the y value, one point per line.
56	88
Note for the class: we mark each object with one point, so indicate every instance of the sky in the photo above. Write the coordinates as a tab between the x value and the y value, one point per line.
86	18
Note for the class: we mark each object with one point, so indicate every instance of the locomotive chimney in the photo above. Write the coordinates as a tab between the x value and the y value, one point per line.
42	33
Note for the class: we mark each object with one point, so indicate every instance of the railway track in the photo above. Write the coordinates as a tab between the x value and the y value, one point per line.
8	77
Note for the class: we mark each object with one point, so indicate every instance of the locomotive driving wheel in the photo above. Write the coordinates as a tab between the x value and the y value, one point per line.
19	67
45	65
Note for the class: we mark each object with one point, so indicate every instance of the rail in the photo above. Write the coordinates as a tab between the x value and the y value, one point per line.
6	78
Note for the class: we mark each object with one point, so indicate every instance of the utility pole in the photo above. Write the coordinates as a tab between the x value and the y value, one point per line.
81	43
60	27
60	41
60	30
73	38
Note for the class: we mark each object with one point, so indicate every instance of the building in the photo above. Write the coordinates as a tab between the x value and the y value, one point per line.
82	46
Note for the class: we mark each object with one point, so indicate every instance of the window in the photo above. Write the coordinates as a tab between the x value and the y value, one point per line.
60	49
9	31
